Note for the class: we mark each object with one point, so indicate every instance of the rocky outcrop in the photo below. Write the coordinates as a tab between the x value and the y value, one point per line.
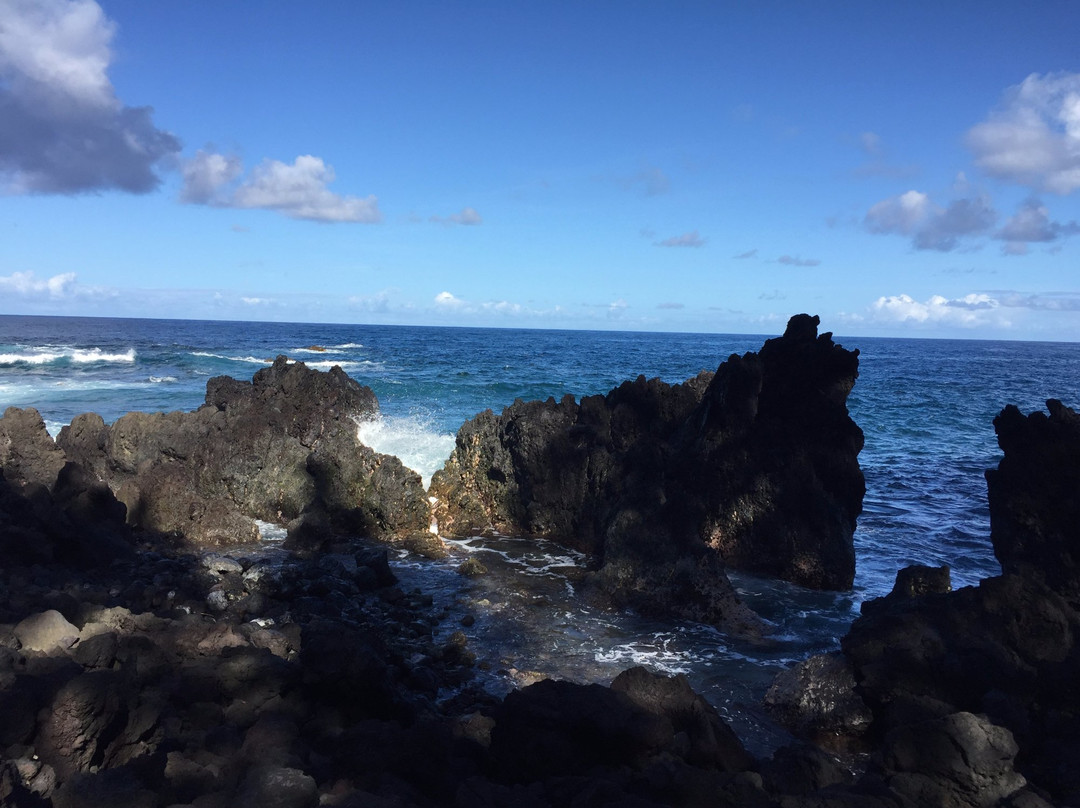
1035	496
280	448
972	692
755	466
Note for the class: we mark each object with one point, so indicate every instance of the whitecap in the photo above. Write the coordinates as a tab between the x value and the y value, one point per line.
162	379
253	359
411	439
347	345
97	355
42	358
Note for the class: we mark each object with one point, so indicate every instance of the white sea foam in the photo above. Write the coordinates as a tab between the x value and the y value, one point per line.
42	358
411	439
162	379
347	345
54	427
45	356
97	355
268	531
253	359
313	350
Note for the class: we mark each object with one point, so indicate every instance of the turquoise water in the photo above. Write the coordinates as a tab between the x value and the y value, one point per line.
926	407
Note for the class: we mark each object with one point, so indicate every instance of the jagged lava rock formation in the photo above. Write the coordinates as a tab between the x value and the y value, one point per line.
973	693
754	466
280	448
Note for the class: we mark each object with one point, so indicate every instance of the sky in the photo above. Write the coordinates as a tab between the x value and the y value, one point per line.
908	169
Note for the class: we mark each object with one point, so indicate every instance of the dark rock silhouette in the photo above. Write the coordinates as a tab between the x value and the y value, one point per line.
755	466
972	692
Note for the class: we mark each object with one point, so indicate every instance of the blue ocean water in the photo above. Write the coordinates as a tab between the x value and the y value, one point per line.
925	406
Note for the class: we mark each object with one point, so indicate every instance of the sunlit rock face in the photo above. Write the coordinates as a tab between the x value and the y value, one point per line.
754	466
280	448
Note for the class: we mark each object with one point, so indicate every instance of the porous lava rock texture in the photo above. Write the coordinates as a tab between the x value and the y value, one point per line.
754	466
282	448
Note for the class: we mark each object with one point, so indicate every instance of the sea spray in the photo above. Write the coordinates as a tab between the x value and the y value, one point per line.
410	438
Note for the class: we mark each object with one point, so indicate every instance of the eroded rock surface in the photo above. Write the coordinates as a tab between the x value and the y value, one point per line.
280	448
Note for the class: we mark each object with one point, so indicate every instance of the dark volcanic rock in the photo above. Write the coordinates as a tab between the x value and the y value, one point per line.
276	448
755	466
1007	650
1035	496
27	452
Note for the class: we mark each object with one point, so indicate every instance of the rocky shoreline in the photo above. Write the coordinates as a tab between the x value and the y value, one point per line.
145	662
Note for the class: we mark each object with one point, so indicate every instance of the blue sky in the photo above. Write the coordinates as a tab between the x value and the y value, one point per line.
912	170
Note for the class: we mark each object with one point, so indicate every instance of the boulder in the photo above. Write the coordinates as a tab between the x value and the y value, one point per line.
755	466
28	453
46	631
817	700
277	448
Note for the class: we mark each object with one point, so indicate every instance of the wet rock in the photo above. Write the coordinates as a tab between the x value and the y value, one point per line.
917	580
817	699
46	631
472	568
754	466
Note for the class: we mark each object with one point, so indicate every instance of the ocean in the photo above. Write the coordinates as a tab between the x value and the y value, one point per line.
925	406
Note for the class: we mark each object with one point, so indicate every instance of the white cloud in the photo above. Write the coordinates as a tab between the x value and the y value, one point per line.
445	300
27	285
898	214
930	226
256	301
62	128
1033	137
972	310
299	191
466	216
671	306
690	239
206	174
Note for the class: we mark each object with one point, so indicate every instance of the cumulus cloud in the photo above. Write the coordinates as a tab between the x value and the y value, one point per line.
298	190
445	300
466	216
62	128
972	310
27	285
1033	137
690	239
796	261
1032	223
206	175
930	226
